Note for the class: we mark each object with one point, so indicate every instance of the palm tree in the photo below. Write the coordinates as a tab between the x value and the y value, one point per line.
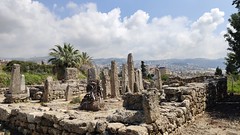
63	57
86	59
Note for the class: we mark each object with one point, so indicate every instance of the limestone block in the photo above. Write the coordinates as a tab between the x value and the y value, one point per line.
114	127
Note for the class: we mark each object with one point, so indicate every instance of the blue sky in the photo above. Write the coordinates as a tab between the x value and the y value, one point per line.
114	28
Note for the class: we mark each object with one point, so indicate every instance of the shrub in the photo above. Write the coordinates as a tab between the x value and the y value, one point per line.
76	100
4	79
32	79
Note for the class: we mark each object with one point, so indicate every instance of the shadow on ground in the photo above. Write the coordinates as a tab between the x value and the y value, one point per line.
228	109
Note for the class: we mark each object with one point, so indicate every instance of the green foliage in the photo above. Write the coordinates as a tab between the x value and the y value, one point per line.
4	79
32	79
76	100
233	83
85	59
81	76
233	39
165	77
63	57
218	71
144	70
30	67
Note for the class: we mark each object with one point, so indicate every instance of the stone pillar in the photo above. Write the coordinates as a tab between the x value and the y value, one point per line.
106	83
15	86
47	89
23	86
71	74
114	80
125	83
140	80
158	79
136	83
130	72
91	74
68	93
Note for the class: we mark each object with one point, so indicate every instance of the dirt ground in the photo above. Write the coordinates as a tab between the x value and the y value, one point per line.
222	119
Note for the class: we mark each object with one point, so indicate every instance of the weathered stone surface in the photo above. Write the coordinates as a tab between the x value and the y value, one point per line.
136	130
131	77
75	126
133	101
125	82
5	113
151	106
93	100
106	83
71	74
126	116
158	79
92	74
101	126
114	127
114	80
15	84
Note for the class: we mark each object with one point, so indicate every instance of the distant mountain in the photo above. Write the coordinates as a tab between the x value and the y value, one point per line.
195	62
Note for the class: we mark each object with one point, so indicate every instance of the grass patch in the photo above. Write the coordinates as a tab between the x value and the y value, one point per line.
233	83
4	79
76	100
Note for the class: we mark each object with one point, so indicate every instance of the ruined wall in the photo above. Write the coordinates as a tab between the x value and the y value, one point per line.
144	113
57	89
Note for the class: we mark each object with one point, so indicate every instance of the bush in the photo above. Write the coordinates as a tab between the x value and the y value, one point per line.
32	79
30	67
233	83
76	100
4	80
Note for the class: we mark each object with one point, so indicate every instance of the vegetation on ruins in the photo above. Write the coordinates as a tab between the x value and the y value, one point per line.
233	83
218	71
63	57
233	38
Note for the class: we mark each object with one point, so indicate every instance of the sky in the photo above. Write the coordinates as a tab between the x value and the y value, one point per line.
150	30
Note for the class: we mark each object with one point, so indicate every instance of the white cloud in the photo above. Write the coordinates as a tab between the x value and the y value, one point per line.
28	28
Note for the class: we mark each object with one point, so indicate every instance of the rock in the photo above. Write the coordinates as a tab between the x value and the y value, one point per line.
76	125
136	130
5	113
126	117
114	127
101	126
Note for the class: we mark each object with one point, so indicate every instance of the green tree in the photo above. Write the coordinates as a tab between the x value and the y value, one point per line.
237	3
218	71
63	57
144	70
233	38
85	59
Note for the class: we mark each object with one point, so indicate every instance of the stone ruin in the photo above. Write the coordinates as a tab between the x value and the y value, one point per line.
18	92
67	89
93	100
155	109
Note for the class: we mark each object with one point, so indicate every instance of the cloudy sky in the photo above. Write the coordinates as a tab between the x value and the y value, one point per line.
114	28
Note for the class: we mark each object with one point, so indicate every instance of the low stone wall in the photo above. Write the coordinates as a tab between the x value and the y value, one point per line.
3	90
57	89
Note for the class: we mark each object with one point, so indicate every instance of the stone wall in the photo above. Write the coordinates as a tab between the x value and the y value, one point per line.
3	90
57	89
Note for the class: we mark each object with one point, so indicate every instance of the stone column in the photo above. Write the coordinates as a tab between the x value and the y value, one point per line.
131	77
125	83
136	83
114	80
47	89
91	74
15	86
106	83
158	79
140	80
23	86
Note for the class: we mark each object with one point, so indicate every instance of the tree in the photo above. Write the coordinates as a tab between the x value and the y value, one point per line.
144	70
233	38
86	59
237	3
63	57
218	71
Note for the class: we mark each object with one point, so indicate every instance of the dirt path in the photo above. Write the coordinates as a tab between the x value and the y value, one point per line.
222	119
